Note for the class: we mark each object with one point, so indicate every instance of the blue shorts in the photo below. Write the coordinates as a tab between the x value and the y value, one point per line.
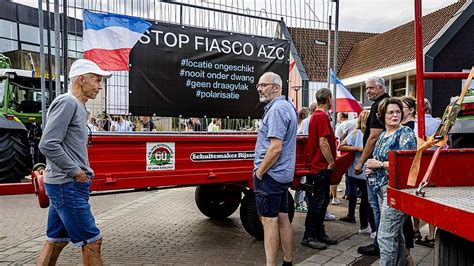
271	196
70	217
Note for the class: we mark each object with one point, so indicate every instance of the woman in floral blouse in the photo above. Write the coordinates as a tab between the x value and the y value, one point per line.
395	137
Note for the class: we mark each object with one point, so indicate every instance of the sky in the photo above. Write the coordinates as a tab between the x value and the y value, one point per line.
382	15
355	15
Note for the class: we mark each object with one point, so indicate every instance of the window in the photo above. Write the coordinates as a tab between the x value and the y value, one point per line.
26	95
8	29
2	91
30	34
355	92
8	45
399	87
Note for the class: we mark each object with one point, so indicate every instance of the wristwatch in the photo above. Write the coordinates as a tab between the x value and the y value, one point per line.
381	165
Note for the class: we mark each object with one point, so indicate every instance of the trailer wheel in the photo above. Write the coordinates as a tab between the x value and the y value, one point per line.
453	250
249	215
218	201
15	163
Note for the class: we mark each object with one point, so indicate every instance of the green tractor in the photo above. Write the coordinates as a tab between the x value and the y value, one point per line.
20	121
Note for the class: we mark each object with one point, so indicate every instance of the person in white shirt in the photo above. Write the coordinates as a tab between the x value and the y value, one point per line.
122	125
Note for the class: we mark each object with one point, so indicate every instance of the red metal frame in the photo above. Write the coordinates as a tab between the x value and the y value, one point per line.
450	171
451	168
421	75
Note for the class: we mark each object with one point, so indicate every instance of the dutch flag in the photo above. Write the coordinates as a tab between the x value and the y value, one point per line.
109	38
345	102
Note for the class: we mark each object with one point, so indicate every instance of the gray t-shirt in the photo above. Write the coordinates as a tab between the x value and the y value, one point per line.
64	140
279	122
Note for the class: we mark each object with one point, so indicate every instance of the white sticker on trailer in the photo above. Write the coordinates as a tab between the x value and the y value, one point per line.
160	156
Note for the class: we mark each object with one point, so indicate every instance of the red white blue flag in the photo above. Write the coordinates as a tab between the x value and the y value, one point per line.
345	102
109	38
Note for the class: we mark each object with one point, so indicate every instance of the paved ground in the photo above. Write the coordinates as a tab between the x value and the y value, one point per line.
165	227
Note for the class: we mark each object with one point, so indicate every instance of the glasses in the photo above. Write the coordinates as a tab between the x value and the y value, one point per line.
392	113
264	84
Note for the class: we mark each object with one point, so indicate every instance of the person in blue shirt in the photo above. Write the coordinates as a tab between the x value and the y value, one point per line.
274	167
395	137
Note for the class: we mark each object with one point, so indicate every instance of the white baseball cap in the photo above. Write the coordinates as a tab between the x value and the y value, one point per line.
84	66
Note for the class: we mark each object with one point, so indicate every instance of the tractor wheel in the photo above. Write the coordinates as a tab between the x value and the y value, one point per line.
15	162
218	201
453	250
249	215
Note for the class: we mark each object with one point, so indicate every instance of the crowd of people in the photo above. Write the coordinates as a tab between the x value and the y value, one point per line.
390	125
121	123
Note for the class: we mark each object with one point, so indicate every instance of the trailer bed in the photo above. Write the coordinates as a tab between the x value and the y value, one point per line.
448	202
452	197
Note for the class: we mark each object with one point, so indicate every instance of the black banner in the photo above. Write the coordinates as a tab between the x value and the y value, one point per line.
177	70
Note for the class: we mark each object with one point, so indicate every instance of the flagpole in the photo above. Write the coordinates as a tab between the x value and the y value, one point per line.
329	53
336	46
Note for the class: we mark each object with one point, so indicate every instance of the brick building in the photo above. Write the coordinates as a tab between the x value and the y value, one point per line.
448	34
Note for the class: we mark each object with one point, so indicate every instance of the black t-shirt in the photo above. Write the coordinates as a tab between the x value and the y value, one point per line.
148	126
410	124
372	121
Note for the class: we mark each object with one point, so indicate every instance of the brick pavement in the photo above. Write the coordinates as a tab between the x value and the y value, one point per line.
164	227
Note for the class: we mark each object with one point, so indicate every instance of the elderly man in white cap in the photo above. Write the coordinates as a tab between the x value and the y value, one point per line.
68	174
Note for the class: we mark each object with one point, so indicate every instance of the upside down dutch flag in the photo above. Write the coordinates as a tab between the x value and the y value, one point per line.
345	102
109	38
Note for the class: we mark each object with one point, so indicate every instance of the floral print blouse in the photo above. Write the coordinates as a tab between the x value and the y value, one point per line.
402	139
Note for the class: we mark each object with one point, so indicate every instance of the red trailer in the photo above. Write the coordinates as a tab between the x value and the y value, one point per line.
220	165
445	198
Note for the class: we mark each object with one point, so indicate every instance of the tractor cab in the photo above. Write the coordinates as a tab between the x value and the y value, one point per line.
20	120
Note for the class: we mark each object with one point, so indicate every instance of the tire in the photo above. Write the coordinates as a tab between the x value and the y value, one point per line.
15	161
218	201
462	141
249	215
453	250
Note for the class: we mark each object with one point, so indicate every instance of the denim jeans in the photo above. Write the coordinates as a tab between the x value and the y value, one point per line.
374	204
299	195
69	215
318	202
365	214
390	234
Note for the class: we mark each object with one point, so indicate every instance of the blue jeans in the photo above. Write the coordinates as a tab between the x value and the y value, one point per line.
374	204
299	195
390	234
318	202
69	215
365	214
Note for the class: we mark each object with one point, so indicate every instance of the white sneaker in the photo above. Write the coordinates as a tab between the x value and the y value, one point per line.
373	235
329	217
366	231
335	201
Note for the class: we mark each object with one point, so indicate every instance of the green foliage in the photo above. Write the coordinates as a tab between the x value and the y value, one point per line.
4	61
